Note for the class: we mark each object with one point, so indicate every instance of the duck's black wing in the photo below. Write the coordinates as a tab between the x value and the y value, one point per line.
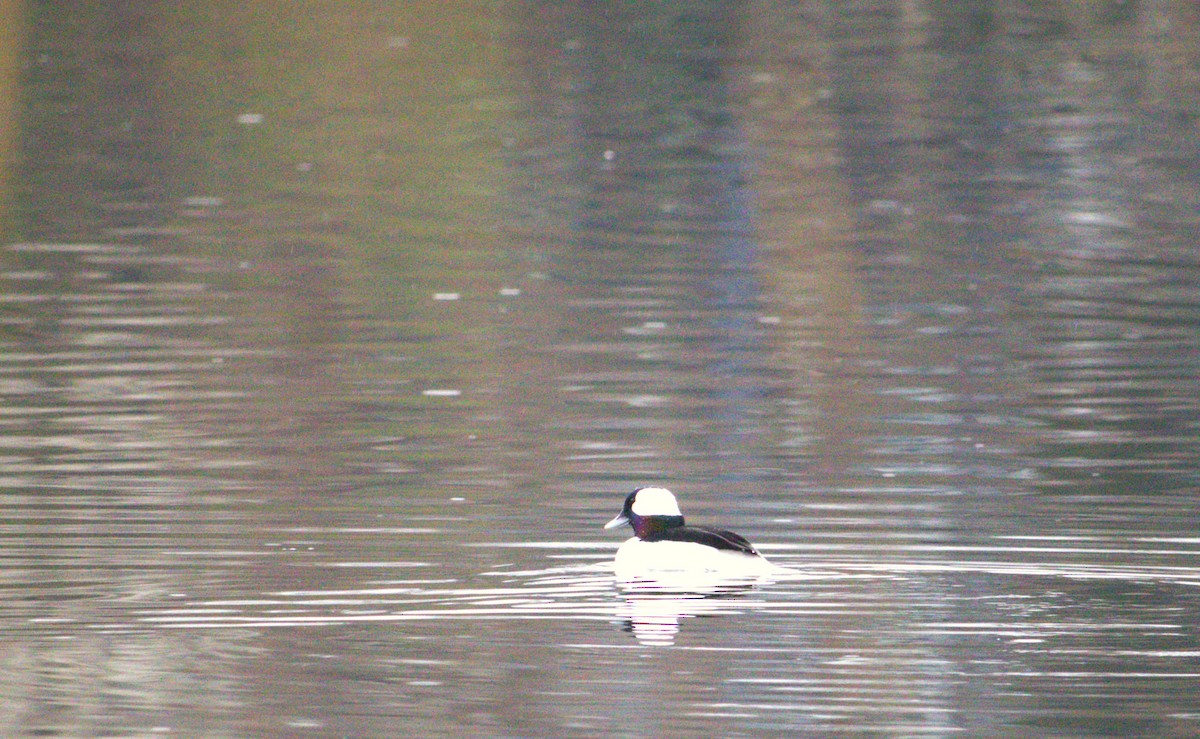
716	538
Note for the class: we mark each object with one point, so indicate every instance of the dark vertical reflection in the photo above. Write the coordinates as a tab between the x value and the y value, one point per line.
657	223
866	77
95	145
12	59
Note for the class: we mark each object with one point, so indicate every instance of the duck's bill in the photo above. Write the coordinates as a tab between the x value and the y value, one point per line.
620	520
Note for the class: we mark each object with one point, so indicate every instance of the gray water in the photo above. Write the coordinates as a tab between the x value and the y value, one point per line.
331	337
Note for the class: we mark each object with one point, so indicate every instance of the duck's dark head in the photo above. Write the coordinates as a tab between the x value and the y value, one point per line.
648	510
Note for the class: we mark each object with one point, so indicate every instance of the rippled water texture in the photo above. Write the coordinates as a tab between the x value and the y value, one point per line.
330	337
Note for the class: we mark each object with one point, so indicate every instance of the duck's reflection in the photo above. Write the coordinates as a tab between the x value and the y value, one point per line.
652	608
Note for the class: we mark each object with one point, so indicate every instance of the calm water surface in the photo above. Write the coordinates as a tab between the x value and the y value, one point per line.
329	342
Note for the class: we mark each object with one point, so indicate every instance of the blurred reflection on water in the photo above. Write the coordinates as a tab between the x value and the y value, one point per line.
330	342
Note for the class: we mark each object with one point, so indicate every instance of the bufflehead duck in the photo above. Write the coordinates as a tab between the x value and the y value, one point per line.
662	543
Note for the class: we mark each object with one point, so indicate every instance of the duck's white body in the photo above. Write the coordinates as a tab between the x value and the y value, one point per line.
635	557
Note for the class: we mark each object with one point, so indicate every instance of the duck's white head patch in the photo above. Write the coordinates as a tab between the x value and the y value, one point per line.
655	502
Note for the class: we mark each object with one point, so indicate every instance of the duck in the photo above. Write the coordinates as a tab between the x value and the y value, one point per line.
664	543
